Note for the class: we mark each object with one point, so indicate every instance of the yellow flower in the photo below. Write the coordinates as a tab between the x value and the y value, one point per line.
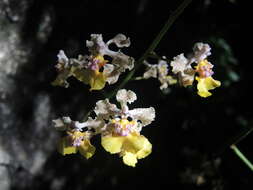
205	80
121	133
93	69
74	142
131	147
96	79
92	75
206	84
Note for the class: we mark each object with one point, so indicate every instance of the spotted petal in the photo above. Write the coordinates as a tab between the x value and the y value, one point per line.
96	45
123	96
182	67
145	115
119	64
111	73
122	61
104	109
96	123
201	51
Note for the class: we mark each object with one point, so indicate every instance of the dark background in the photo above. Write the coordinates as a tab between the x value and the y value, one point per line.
190	135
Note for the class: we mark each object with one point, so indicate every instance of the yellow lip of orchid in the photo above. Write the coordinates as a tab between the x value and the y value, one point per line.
205	80
182	67
87	68
92	75
76	141
131	147
122	135
206	84
119	128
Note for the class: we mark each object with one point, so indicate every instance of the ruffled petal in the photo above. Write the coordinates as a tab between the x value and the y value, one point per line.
181	66
96	124
104	109
201	52
179	63
112	144
86	149
145	115
61	79
66	68
120	40
66	124
61	124
64	147
126	96
111	74
122	61
206	84
96	45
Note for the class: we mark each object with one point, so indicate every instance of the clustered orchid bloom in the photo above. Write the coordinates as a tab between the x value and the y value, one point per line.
93	69
76	138
119	129
186	74
182	68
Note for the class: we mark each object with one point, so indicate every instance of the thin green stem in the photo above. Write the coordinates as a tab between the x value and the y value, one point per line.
241	156
153	45
234	140
243	135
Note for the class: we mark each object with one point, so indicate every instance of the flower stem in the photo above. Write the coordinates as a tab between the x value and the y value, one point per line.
175	14
234	140
241	156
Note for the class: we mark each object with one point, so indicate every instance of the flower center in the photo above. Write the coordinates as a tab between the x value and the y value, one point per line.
76	138
97	62
123	127
163	70
204	69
